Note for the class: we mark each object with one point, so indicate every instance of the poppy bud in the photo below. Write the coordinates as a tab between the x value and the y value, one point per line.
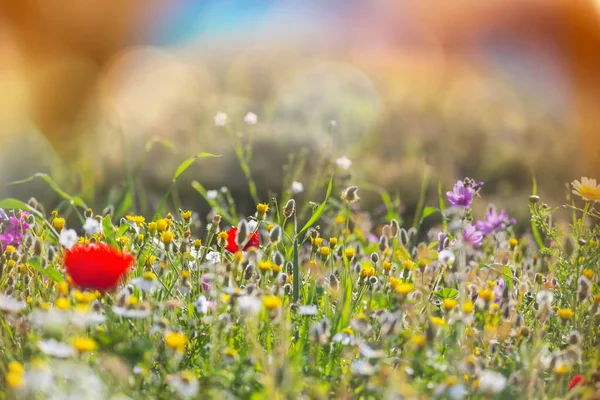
395	226
533	199
350	195
383	243
242	233
278	258
275	234
374	258
290	208
32	202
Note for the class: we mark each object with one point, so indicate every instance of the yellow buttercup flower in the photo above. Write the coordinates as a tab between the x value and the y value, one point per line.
62	303
340	220
186	215
513	241
162	224
152	226
486	294
85	297
316	242
387	265
408	264
264	265
588	273
10	249
325	251
587	189
333	242
262	209
438	322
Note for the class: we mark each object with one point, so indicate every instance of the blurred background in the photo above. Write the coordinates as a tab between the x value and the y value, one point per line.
497	90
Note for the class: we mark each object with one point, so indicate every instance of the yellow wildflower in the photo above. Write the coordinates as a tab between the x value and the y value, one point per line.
349	252
367	272
449	304
58	223
408	264
597	298
10	249
264	265
238	256
513	241
167	237
15	380
62	303
340	220
186	215
467	307
438	322
272	302
565	313
231	353
276	268
262	208
11	264
85	297
15	366
561	369
387	265
332	242
137	219
404	288
316	242
152	226
325	251
84	345
176	340
418	340
588	273
486	294
162	224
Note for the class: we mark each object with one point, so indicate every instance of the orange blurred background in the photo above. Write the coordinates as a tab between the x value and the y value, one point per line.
456	71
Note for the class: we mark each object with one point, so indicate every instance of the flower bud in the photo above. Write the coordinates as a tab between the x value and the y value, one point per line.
275	234
290	208
242	233
350	195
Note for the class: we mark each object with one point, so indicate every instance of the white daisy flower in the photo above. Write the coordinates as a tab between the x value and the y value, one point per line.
39	378
57	349
132	313
84	319
10	304
249	305
68	238
202	305
360	367
251	118
297	187
343	162
307	310
220	118
213	257
52	319
92	226
185	384
492	382
147	283
344	337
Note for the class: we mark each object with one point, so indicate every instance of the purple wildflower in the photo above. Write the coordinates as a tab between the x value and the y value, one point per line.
498	289
461	194
13	234
205	283
472	236
494	221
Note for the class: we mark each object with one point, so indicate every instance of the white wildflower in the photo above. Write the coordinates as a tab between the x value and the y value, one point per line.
202	305
10	304
68	238
249	305
307	310
446	257
54	348
92	226
251	118
213	257
185	384
492	382
343	162
360	367
212	194
297	187
220	118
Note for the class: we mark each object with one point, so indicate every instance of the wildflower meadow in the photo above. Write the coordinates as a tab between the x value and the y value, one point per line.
311	299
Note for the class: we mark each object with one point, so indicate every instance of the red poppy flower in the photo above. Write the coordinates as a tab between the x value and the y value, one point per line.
232	245
97	266
577	380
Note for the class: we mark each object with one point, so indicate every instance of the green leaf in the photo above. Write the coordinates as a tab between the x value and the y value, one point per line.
166	143
50	272
427	211
442	207
54	186
447	293
109	230
508	277
317	214
14	204
188	162
124	205
122	229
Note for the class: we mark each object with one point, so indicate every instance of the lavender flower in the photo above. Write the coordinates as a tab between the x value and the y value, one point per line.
461	194
472	236
494	221
13	234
